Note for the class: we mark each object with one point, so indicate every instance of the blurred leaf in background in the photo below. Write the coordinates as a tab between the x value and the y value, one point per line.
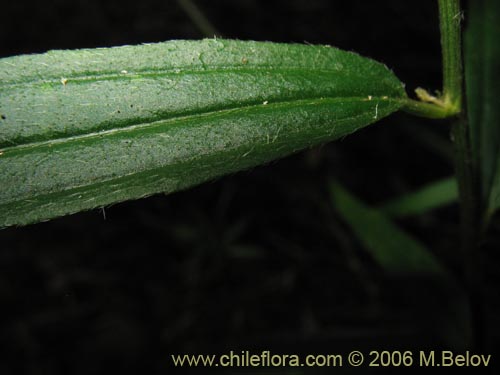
482	69
401	255
434	195
393	249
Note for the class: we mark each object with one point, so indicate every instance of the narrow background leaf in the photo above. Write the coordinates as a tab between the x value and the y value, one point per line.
398	253
392	248
482	68
434	195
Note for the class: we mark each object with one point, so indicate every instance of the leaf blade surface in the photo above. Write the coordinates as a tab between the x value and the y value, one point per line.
83	129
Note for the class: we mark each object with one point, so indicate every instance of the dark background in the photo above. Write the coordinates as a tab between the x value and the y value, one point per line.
256	260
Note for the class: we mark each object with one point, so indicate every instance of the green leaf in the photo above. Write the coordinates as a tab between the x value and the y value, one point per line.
482	69
398	253
436	194
394	250
86	128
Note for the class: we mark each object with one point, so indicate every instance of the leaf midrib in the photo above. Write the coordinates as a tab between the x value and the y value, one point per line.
214	113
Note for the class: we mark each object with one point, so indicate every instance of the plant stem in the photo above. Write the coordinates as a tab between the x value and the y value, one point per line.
450	17
427	110
449	103
470	225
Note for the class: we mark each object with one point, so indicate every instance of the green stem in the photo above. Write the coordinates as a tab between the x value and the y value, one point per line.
449	103
450	17
470	226
427	110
